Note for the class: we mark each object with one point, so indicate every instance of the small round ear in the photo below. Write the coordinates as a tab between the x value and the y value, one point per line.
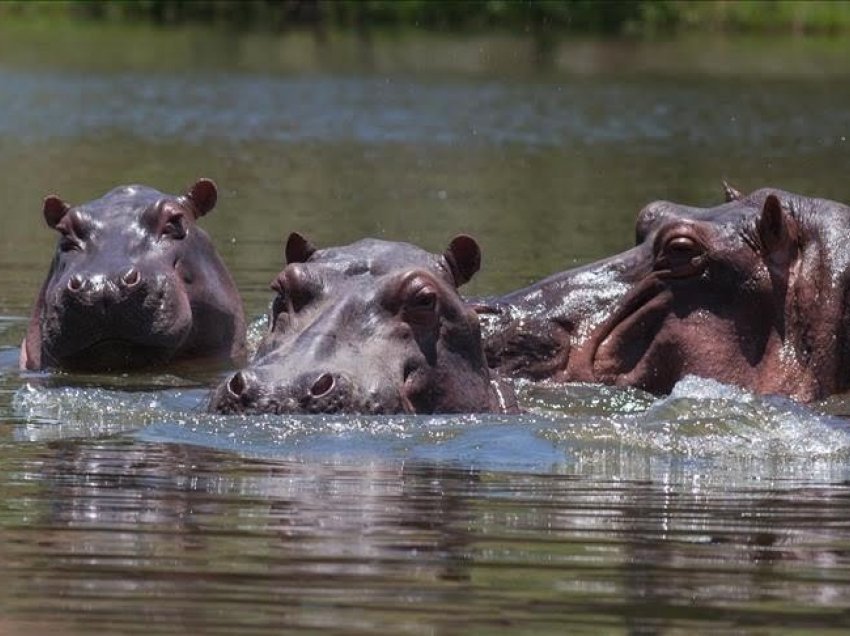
777	231
203	196
54	210
464	258
730	193
298	249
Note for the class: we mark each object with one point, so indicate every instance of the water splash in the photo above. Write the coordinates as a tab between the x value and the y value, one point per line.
702	422
700	417
82	412
257	328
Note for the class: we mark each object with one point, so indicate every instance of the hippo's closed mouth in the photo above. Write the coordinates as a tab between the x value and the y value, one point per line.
625	337
118	353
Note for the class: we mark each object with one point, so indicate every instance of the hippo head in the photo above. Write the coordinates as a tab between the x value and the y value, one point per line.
709	299
753	292
371	327
134	283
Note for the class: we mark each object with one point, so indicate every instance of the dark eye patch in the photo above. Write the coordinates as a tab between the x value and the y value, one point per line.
74	230
175	226
679	251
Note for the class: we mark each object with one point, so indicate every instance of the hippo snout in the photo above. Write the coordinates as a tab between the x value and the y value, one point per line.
313	392
242	386
91	288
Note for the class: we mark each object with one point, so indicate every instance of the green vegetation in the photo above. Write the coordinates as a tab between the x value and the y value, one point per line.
591	16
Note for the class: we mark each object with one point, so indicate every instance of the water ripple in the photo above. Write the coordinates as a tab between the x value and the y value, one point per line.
710	425
378	110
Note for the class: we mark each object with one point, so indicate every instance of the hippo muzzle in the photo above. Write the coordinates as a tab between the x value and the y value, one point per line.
124	320
313	393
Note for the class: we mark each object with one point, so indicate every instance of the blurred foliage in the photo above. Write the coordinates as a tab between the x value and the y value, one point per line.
593	16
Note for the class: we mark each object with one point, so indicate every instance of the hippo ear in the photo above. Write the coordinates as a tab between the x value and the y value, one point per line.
777	231
731	193
203	196
464	258
54	210
298	249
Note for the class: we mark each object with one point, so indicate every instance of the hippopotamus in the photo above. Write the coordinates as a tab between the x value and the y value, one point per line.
135	283
754	292
375	327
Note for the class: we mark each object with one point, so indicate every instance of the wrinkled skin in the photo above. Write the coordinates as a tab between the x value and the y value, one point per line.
372	327
753	293
135	283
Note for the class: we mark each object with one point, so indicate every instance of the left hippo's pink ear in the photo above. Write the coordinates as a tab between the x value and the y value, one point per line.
777	231
203	196
464	258
54	210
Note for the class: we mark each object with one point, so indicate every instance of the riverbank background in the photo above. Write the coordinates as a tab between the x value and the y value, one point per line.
456	108
613	17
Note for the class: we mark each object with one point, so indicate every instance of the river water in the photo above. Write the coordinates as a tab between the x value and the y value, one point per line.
126	509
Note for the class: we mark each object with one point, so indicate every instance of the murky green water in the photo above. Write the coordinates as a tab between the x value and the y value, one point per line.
125	509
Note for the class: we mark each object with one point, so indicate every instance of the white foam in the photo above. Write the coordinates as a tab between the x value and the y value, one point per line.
580	427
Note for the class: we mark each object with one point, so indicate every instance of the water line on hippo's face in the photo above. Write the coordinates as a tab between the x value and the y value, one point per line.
580	425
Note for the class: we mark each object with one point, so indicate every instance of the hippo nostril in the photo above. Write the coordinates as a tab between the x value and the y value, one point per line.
131	277
75	283
237	384
322	386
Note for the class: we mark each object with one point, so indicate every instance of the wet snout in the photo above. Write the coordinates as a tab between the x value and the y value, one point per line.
90	288
138	307
309	392
331	358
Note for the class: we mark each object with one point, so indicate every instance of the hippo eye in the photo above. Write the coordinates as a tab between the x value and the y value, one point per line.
421	305
279	304
425	299
295	289
300	298
174	227
69	244
278	307
679	252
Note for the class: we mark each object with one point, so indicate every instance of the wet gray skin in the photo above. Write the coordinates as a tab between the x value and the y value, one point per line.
371	327
134	283
753	292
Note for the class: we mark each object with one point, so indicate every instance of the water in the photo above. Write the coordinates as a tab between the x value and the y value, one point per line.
127	509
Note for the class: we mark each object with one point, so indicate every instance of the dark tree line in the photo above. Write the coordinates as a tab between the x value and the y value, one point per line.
592	16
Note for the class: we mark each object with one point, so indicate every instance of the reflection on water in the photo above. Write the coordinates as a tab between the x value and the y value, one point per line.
178	537
601	507
127	509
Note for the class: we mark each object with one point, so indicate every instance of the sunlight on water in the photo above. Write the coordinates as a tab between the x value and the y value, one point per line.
566	427
310	109
703	417
72	412
257	328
